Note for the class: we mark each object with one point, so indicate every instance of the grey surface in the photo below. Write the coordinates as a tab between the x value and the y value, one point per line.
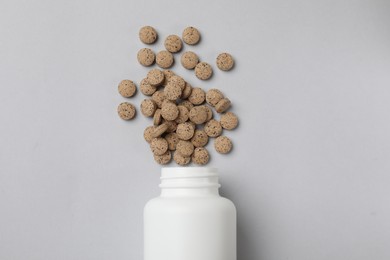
310	170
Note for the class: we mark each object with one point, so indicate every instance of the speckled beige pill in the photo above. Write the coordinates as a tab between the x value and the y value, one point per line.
172	91
172	125
169	111
213	128
177	80
158	97
200	138
148	34
213	96
223	144
167	75
173	43
148	133
146	88
229	121
164	59
146	57
225	61
187	91
222	105
127	88
164	158
191	35
189	60
155	77
200	156
158	146
172	140
180	159
183	114
203	71
187	104
198	115
197	96
148	107
185	131
185	148
157	118
209	113
159	130
126	111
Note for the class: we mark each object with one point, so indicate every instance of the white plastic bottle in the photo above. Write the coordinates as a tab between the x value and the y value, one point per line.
189	220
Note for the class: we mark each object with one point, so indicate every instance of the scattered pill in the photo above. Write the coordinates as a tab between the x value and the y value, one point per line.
173	43
223	144
126	111
146	57
148	34
191	35
225	61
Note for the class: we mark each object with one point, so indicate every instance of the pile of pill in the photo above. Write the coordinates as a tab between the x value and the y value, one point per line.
182	115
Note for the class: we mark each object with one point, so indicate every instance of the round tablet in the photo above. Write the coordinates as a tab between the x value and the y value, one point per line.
189	60
148	107
158	97
146	57
187	91
198	115
183	114
169	111
167	75
172	125
159	130
203	71
157	118
155	77
146	88
222	105
173	43
200	138
209	113
225	61
126	111
185	148
148	133
197	96
229	120
180	159
172	140
213	96
164	158
191	35
176	80
127	88
213	128
164	59
200	156
158	146
223	144
148	34
172	91
185	131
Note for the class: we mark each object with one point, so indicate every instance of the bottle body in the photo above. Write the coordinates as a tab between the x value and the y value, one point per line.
189	220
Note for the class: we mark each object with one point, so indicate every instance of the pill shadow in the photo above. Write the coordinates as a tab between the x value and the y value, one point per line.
247	248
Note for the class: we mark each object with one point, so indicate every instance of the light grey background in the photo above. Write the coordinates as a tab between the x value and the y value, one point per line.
310	170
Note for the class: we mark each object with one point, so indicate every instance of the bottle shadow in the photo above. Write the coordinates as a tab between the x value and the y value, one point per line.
246	247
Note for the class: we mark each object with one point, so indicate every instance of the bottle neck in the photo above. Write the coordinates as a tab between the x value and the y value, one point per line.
194	181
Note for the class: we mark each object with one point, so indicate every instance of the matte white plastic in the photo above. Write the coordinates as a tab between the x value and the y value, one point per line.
189	220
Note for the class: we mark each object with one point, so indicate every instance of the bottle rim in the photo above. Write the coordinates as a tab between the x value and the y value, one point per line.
188	172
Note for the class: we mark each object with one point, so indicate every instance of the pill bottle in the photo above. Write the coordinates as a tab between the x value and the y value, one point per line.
189	220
